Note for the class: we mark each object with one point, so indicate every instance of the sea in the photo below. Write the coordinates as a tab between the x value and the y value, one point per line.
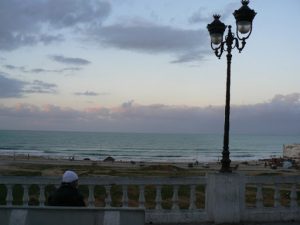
147	147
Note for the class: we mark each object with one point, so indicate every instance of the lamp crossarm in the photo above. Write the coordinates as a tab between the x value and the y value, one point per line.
230	43
218	50
237	44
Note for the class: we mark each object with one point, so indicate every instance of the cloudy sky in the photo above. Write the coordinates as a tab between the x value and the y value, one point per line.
145	66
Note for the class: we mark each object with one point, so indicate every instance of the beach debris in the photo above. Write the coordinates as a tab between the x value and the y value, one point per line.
190	165
87	159
109	159
284	163
287	164
205	165
273	166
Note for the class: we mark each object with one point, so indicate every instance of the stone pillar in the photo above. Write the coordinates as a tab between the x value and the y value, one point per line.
225	196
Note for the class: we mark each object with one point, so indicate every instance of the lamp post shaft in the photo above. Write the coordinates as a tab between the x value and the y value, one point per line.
225	154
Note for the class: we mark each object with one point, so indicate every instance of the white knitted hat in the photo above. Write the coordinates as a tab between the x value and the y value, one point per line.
69	176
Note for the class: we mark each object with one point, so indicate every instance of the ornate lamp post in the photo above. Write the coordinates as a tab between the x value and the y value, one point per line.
244	17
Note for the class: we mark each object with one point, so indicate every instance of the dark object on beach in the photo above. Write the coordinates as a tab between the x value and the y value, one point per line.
190	165
205	165
132	162
86	159
273	166
235	167
109	159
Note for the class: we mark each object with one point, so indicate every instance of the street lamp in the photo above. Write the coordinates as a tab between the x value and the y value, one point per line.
244	17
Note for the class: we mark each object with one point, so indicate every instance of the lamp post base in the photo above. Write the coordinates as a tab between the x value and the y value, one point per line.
225	166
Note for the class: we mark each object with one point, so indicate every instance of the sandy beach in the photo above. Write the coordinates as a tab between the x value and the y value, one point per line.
24	165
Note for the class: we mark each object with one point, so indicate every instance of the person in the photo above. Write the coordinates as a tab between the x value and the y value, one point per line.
67	194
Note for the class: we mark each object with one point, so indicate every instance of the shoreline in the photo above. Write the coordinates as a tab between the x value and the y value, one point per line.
74	157
37	165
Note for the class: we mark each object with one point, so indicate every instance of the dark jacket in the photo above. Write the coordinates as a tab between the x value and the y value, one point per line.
66	195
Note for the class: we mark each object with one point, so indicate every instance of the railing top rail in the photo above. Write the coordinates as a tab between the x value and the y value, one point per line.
272	179
107	180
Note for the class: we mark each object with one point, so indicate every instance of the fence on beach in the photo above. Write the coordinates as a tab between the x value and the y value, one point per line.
215	197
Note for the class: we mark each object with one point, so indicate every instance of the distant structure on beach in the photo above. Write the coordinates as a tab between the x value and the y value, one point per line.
292	151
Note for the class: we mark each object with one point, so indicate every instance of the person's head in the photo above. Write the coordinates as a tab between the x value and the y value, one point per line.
70	177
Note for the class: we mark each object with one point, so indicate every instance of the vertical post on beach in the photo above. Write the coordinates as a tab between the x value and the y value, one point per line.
244	17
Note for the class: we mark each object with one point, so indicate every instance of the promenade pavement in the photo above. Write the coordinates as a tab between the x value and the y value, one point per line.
242	223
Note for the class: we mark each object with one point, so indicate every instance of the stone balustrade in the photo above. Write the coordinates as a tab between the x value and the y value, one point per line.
284	192
215	197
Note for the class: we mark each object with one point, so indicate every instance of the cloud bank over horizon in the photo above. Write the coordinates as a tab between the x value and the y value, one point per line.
280	115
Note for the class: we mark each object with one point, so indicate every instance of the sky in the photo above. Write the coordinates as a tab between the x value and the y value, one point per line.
146	66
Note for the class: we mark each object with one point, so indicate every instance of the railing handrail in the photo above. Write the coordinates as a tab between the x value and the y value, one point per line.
272	179
107	180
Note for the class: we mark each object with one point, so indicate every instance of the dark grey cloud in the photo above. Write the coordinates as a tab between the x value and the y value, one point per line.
28	22
40	70
192	56
10	88
12	67
152	38
280	115
41	87
69	60
23	69
14	88
90	93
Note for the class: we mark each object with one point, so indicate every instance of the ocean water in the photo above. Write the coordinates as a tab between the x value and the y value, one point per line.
141	146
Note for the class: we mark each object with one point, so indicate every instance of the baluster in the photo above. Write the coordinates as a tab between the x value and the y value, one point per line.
192	197
175	198
158	197
108	196
125	196
25	195
293	197
277	196
91	198
259	196
9	196
42	195
142	197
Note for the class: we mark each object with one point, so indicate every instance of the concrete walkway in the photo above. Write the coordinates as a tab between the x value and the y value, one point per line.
250	223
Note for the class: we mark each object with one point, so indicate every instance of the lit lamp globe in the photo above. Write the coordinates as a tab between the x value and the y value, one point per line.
244	17
216	30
